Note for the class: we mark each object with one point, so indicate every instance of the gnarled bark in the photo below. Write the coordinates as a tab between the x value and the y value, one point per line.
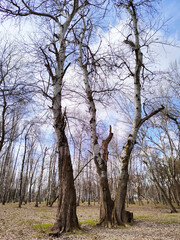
66	218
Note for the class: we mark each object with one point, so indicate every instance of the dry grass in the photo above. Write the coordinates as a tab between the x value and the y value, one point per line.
30	223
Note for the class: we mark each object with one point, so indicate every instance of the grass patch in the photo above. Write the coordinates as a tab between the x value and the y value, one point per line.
171	218
89	222
172	215
167	219
43	227
148	218
122	227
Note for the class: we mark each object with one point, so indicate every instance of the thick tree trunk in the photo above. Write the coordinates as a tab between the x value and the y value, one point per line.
106	203
66	218
120	216
5	175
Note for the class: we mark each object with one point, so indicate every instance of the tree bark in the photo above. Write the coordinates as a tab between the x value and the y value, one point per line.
119	213
66	218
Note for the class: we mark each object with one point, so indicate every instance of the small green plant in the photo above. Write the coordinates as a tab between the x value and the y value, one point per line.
148	218
121	227
90	222
44	227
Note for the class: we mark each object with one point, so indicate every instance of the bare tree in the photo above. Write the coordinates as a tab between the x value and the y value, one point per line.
87	64
120	216
22	167
13	100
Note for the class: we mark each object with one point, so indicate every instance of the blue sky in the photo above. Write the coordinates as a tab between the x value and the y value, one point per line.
171	9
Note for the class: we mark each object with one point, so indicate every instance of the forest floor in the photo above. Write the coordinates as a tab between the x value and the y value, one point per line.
30	223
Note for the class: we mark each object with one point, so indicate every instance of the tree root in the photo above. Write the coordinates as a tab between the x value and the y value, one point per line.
55	234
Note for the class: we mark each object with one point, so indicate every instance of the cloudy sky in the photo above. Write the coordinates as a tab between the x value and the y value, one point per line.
166	54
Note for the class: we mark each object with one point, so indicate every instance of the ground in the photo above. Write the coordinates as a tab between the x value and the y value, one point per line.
30	223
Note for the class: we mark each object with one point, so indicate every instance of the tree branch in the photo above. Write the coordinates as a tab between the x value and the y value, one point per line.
150	115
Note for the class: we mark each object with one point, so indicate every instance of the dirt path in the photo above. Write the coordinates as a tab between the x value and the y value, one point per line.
30	223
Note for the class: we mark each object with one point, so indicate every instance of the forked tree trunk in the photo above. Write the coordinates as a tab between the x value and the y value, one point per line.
106	203
66	218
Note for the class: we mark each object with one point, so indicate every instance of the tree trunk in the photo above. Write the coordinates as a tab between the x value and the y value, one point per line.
22	169
177	190
66	218
40	179
106	203
120	216
31	180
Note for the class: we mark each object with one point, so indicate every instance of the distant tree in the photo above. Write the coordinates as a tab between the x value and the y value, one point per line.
14	98
13	94
38	195
23	166
52	179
